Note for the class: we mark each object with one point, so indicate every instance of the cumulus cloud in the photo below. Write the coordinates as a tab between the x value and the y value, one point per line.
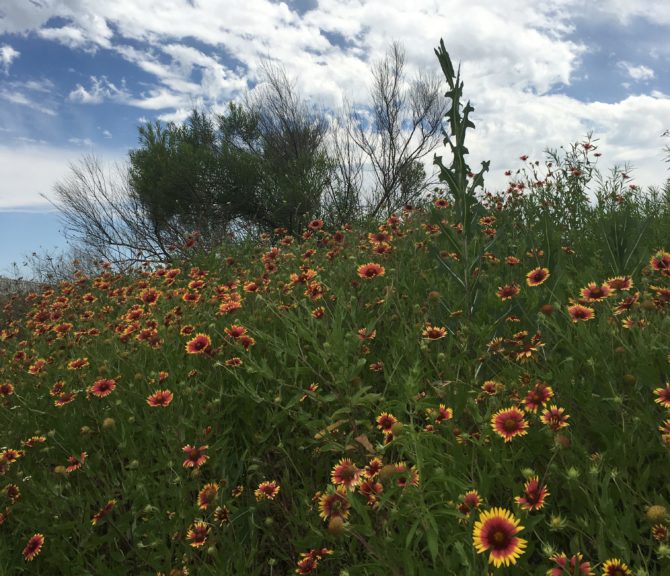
7	56
516	57
15	96
637	73
85	142
100	89
30	170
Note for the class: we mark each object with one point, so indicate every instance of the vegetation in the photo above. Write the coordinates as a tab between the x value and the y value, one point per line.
476	384
271	161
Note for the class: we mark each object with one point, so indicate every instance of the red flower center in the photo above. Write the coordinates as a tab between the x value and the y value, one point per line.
510	424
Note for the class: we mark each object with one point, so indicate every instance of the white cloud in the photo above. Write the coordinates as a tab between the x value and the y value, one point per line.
17	97
637	73
67	35
514	55
30	171
7	56
85	142
101	89
654	11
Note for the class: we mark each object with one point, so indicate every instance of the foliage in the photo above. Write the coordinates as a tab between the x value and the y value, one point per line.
286	366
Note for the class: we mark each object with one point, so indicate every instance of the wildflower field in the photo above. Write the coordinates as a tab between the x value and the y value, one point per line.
476	385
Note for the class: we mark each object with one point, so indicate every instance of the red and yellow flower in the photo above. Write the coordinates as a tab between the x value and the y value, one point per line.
334	503
539	395
267	490
508	423
496	531
195	456
433	332
663	396
100	514
103	387
537	276
573	565
160	398
346	473
555	417
385	422
579	313
594	292
508	291
615	567
207	495
534	495
370	270
197	534
33	547
199	344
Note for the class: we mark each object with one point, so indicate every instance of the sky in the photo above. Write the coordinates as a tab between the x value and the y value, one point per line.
80	76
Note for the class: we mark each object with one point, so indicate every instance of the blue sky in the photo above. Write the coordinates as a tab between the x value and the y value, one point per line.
79	76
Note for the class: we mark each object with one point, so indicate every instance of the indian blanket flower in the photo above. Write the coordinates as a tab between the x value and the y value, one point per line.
12	492
385	422
406	476
665	431
103	387
197	534
100	514
6	389
573	565
537	396
64	398
346	473
659	532
555	417
579	313
309	561
34	440
199	344
443	414
150	296
207	494
537	276
77	364
663	396
75	463
534	495
508	291
195	457
33	547
660	262
620	283
594	292
626	304
433	332
235	331
508	423
11	455
373	467
471	501
334	503
160	398
371	490
615	567
221	515
370	271
496	531
267	490
492	387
